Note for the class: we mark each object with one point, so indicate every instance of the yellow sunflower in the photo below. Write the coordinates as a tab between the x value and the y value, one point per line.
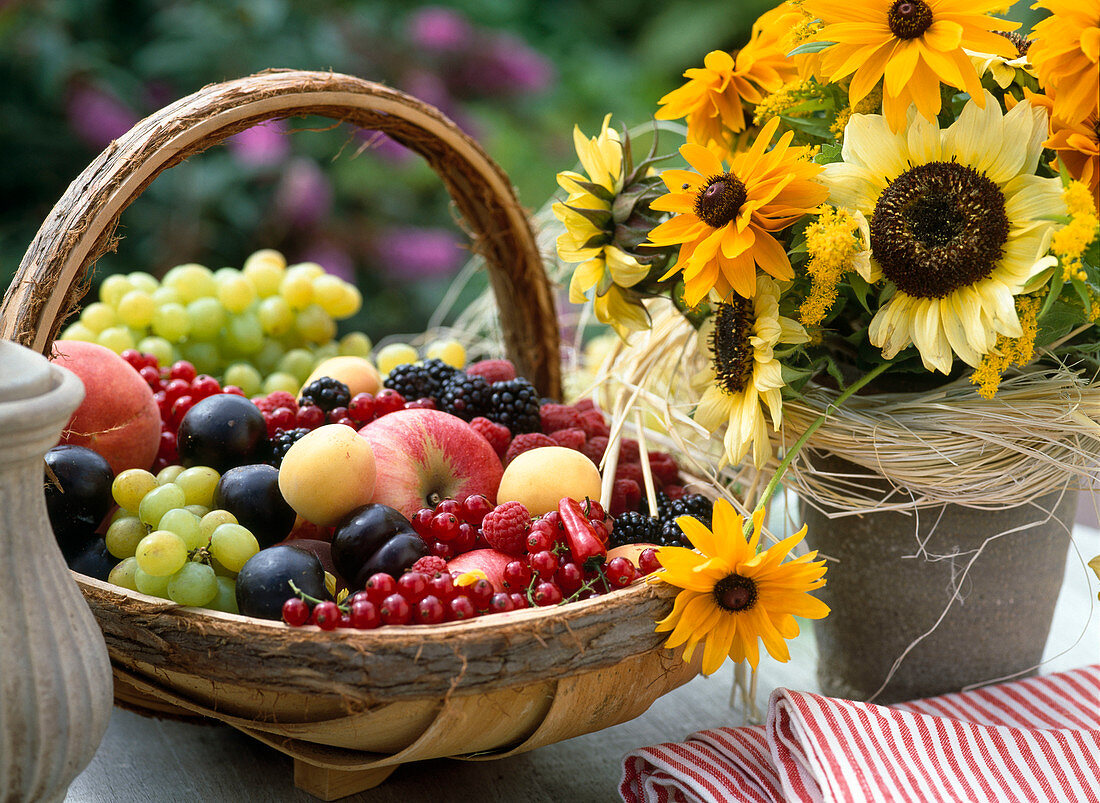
912	45
724	218
958	224
713	98
1077	144
742	378
733	593
589	232
1066	55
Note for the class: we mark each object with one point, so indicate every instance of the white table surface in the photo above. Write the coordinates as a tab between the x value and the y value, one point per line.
144	759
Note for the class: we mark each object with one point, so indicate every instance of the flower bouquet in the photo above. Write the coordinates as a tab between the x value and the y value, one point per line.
873	274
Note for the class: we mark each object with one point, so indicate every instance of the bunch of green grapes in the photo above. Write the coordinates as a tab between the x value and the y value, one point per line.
172	542
263	327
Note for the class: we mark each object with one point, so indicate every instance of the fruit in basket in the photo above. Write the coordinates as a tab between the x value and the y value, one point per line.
263	584
251	494
541	477
327	473
424	456
118	417
81	496
489	561
375	538
93	560
222	431
358	374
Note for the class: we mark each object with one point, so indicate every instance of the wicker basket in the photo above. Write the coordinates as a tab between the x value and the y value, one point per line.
350	706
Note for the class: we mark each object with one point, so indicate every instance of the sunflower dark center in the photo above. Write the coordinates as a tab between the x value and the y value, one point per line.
735	593
730	345
720	200
908	19
938	227
1021	43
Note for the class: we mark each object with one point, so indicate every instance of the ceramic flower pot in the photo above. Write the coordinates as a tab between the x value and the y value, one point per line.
984	583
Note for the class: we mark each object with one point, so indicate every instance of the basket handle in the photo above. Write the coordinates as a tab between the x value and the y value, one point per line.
53	275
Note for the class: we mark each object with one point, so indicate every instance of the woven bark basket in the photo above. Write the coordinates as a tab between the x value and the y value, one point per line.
350	706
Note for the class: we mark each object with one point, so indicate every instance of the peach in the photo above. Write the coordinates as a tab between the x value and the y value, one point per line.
119	417
540	478
356	372
327	474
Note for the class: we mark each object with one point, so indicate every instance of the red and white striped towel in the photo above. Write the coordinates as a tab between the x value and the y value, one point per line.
1030	740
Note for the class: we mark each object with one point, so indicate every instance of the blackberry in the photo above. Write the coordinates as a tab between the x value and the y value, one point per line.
282	441
695	505
671	534
421	380
515	404
634	528
327	393
465	396
662	505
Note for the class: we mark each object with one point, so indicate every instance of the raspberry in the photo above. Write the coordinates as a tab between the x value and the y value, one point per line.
674	491
274	400
493	370
593	423
594	448
626	495
558	416
525	443
585	404
628	452
664	468
630	471
505	527
430	565
572	438
497	434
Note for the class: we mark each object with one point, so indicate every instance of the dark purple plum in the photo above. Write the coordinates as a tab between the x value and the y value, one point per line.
372	539
94	560
263	584
222	431
251	493
82	496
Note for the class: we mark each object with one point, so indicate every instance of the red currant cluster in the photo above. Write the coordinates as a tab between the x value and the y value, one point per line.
176	390
282	411
453	527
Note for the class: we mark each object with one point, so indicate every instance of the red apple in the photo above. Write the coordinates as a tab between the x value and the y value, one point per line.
424	456
490	561
118	418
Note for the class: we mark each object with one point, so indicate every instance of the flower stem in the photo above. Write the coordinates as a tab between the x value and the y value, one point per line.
792	453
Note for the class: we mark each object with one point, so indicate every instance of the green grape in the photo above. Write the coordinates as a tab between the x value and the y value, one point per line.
207	317
186	525
226	598
315	325
123	573
325	351
298	363
120	513
276	316
345	303
235	291
245	377
114	287
220	570
167	295
213	520
267	358
79	331
124	535
143	281
130	487
193	585
265	270
355	344
243	333
393	355
116	338
328	291
168	474
172	322
97	316
151	584
198	483
136	309
204	356
159	348
191	281
311	270
161	553
281	381
297	289
158	502
198	510
232	545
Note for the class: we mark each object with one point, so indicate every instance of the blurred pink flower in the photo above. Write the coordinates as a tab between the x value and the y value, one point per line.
428	87
385	147
508	64
331	257
438	28
303	196
261	145
97	117
410	253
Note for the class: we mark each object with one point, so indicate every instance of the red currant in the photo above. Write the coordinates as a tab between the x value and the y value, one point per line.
442	586
309	417
283	418
182	370
569	577
444	527
452	506
295	612
345	619
413	586
501	603
461	608
547	594
395	610
379	586
519	601
539	541
336	413
204	385
466	538
233	390
347	422
601	531
441	550
176	388
648	562
133	356
430	611
361	408
594	511
161	398
620	572
151	376
474	509
545	564
516	574
421	519
364	614
168	449
326	615
480	594
180	408
387	401
421	404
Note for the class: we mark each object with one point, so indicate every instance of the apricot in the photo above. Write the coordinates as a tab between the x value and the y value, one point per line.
328	473
356	372
540	478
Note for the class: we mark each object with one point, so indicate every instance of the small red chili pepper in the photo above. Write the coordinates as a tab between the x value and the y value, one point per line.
584	542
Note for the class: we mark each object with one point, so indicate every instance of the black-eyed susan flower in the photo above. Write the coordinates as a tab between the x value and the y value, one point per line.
1066	56
911	46
743	382
725	218
735	594
958	224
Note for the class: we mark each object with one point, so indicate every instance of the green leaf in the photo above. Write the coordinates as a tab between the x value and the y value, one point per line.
600	218
861	289
810	47
829	153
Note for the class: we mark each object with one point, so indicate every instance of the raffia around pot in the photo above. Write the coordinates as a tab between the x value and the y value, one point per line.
351	706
